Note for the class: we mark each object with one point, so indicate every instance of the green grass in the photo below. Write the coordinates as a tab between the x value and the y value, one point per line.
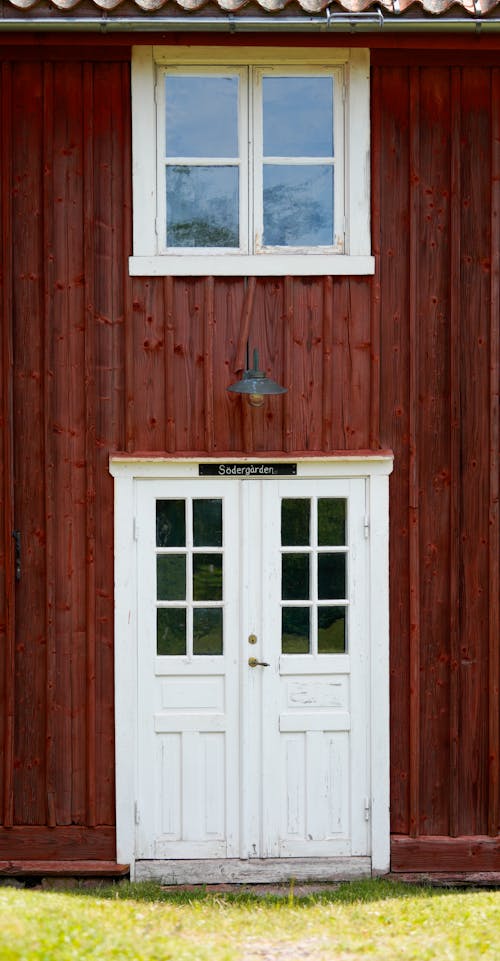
369	920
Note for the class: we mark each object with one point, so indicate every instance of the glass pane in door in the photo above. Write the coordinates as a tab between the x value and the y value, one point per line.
189	577
314	575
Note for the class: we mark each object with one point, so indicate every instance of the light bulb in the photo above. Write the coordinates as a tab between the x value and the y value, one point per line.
256	400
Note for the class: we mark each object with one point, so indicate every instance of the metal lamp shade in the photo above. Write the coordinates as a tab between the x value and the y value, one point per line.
256	382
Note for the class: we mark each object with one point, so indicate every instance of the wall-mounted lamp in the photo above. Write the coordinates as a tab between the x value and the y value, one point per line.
256	384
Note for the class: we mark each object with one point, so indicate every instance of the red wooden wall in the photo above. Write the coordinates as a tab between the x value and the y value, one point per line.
94	362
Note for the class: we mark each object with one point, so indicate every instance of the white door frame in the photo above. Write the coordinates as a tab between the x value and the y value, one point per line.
126	470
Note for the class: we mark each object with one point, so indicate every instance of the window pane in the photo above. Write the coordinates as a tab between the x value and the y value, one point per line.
331	521
170	524
295	630
295	521
171	577
171	630
202	207
295	577
207	630
298	116
207	577
331	630
207	523
201	116
331	576
298	205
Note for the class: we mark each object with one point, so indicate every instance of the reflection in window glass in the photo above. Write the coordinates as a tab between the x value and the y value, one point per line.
201	116
202	206
331	630
207	630
298	116
207	577
207	522
170	523
171	630
298	205
314	569
171	577
295	521
295	630
332	512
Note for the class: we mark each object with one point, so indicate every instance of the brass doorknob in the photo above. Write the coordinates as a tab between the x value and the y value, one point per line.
253	662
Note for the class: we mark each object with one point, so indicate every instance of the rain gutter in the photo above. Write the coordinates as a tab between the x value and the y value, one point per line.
372	21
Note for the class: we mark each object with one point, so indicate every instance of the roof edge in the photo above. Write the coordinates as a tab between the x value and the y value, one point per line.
367	21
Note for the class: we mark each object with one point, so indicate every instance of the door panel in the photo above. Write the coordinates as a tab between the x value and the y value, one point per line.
188	685
316	729
253	669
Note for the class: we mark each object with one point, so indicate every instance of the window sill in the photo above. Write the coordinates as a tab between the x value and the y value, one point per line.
236	265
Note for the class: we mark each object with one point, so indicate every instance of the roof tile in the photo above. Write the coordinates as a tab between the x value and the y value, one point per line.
419	7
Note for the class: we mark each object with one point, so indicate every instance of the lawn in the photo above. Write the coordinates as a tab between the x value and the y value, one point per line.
363	920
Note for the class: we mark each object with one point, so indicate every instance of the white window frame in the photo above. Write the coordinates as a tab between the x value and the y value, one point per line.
352	164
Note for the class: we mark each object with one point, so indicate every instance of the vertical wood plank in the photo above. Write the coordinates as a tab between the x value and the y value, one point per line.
240	362
432	402
393	184
90	445
328	373
8	610
263	427
233	300
49	455
494	509
475	439
67	426
375	299
413	505
340	359
148	366
169	338
110	233
30	797
350	364
455	406
208	364
289	373
358	365
306	346
188	365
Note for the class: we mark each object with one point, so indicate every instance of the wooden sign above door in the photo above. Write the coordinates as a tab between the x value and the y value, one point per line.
247	470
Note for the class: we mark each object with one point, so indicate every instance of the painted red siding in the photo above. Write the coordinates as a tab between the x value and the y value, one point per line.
93	361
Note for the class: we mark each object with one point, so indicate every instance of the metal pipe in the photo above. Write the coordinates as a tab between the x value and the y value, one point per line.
229	23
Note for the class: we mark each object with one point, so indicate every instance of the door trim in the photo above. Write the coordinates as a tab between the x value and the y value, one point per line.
127	470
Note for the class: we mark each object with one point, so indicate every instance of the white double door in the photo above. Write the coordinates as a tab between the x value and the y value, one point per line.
253	669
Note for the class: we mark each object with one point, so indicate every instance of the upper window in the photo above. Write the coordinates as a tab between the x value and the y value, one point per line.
250	167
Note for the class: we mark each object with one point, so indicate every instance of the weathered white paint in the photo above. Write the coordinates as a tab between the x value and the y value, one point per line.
254	871
322	719
260	265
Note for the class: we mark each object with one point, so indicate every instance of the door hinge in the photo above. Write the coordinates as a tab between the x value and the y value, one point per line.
137	815
367	808
366	526
135	529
